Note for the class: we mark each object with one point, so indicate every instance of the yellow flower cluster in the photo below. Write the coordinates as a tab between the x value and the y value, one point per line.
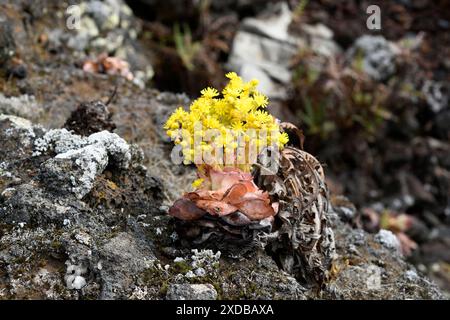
232	116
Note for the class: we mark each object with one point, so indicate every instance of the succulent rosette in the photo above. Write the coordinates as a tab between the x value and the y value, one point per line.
224	193
222	134
233	141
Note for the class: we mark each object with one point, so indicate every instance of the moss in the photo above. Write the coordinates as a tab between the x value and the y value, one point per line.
181	267
56	245
164	288
156	278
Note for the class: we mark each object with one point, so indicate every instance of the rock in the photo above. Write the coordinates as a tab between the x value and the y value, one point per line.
358	237
10	63
436	94
106	27
265	53
259	49
442	120
42	225
388	239
17	123
366	270
321	40
106	14
74	279
191	292
377	54
344	208
16	69
122	257
89	118
278	22
263	48
98	18
86	157
105	244
132	53
411	275
117	148
266	84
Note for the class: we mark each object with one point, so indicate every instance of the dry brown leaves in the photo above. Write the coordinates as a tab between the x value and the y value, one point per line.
302	241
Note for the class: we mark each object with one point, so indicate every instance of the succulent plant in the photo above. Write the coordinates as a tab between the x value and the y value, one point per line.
270	199
223	136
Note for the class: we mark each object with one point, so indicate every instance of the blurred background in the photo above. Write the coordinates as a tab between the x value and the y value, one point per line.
372	102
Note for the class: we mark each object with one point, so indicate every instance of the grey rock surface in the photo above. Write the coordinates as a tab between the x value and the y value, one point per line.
263	48
436	95
52	226
105	26
377	54
21	106
191	292
57	245
84	157
388	239
7	43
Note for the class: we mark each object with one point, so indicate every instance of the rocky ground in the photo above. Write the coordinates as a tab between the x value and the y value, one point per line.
82	217
85	194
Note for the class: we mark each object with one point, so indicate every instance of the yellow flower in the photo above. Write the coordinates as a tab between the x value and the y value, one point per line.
231	115
283	138
197	183
244	106
211	123
231	75
209	93
237	126
260	99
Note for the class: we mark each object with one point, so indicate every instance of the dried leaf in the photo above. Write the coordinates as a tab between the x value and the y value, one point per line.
303	206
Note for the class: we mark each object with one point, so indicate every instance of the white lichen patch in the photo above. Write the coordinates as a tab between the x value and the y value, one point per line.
118	149
92	160
90	155
139	293
19	123
202	262
58	140
74	276
388	240
83	238
23	126
205	258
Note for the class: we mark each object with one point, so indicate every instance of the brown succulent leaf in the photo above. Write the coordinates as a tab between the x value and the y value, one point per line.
235	194
216	208
237	219
185	209
257	208
226	192
223	180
